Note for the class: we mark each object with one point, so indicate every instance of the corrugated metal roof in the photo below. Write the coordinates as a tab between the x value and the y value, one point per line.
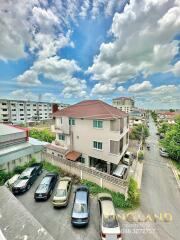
18	151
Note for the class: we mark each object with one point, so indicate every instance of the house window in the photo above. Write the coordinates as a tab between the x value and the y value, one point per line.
71	121
61	137
97	123
97	145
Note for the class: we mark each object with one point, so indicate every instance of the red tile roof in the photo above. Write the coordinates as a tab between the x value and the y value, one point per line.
73	155
91	109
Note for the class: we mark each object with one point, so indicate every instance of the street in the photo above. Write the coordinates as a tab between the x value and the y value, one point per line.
159	190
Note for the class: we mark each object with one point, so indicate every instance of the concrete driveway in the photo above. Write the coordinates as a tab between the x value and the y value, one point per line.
58	221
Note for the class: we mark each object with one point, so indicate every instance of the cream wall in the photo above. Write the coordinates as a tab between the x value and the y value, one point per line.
83	135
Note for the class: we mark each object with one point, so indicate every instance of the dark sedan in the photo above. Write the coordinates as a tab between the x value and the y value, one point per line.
80	211
26	179
45	188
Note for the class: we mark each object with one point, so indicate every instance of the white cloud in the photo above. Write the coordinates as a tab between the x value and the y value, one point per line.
84	8
121	89
23	95
102	89
29	78
140	87
142	44
176	69
76	88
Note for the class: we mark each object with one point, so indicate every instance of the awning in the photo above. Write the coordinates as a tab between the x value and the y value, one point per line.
73	155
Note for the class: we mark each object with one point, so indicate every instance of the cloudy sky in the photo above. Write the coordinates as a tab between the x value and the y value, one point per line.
71	50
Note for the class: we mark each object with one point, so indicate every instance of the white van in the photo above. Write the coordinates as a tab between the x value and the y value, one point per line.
121	171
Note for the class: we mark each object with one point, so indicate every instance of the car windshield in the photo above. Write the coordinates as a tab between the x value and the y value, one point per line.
110	221
60	193
24	177
80	208
42	187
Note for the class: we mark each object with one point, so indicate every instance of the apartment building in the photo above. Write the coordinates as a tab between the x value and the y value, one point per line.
24	111
125	104
92	132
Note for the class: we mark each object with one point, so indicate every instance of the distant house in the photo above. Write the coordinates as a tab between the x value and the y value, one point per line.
92	132
168	116
125	104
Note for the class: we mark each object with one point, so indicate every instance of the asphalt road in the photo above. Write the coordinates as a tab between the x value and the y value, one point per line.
159	195
58	221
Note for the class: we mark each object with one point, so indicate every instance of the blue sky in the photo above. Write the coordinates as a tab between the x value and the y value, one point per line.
68	51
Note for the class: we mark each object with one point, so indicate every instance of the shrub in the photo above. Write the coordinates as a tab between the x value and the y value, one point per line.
51	168
133	192
4	176
140	155
118	198
42	135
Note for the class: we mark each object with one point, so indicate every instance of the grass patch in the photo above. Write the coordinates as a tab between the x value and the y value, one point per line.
176	164
51	168
118	199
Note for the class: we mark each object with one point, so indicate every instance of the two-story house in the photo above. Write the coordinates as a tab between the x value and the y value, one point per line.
92	132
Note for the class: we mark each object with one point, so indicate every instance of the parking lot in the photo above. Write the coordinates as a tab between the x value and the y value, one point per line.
58	221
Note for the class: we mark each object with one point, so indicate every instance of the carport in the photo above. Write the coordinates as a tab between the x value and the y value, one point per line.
73	155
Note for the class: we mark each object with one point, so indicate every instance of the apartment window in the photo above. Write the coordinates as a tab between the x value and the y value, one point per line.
3	103
4	109
114	147
61	137
21	104
71	121
97	123
97	145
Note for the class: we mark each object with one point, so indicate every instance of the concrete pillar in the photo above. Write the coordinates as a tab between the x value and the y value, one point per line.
87	162
108	167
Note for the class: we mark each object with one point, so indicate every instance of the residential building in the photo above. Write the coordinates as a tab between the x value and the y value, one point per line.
17	111
125	104
92	132
15	147
169	117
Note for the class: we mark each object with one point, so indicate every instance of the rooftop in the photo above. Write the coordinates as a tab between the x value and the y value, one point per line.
123	98
9	129
16	222
91	109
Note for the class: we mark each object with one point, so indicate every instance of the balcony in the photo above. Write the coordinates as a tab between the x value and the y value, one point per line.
62	129
62	146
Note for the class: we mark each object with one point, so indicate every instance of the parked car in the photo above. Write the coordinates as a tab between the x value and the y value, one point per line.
9	183
27	178
80	211
127	159
63	191
46	186
161	136
163	152
121	171
109	225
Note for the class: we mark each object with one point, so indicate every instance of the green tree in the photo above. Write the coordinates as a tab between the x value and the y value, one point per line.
164	127
172	141
171	110
139	131
154	115
42	135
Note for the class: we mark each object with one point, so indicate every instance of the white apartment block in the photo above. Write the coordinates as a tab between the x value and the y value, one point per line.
125	104
92	132
24	111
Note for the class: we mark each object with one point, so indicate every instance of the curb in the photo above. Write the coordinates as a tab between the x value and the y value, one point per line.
175	175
